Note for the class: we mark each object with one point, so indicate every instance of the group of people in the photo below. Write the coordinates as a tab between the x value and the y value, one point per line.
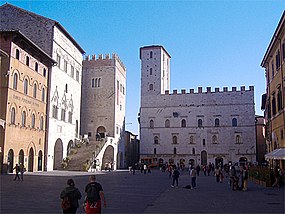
92	203
19	168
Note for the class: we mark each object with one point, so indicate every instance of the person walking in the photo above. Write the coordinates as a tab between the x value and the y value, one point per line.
22	170
70	196
276	178
94	196
217	174
17	169
193	174
245	178
175	176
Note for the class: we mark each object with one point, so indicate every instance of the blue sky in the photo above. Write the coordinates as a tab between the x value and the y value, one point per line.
212	43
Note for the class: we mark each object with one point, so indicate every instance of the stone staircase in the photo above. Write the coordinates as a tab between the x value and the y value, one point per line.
82	155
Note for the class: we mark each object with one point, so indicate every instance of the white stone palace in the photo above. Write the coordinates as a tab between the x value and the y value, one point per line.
199	127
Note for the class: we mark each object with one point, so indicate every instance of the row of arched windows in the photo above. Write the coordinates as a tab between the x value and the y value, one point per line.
27	62
24	119
191	140
183	123
26	87
95	82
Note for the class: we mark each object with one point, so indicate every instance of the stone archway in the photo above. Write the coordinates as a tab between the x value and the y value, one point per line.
31	160
58	154
40	161
101	131
204	158
10	161
108	157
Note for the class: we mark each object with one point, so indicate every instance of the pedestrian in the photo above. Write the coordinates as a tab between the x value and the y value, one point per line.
134	168
22	170
175	176
144	168
70	196
94	196
204	170
193	177
217	174
17	169
221	177
276	178
170	169
198	168
245	178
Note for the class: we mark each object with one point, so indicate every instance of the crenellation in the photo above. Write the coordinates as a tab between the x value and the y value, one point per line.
242	88
191	91
200	89
208	89
217	89
225	89
183	91
234	88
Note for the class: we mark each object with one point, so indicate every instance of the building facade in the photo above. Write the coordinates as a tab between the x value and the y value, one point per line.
192	127
273	101
104	104
23	96
260	139
132	149
64	95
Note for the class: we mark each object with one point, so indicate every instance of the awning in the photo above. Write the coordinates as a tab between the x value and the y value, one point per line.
278	154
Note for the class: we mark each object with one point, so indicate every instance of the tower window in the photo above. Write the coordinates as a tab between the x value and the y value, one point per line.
150	55
17	54
234	122
151	87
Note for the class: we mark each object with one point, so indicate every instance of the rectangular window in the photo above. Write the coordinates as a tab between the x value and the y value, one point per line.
70	117
63	114
77	75
72	71
58	60
65	66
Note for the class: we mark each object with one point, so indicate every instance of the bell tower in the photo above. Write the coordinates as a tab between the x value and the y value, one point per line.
155	71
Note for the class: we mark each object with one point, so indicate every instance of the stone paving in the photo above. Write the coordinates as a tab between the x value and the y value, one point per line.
139	193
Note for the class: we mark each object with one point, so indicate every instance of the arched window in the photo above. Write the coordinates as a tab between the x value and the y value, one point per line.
15	81
99	81
33	121
25	86
183	123
44	72
217	122
13	115
63	111
151	87
155	140
36	67
27	61
96	80
174	151
200	123
214	139
66	88
35	91
17	54
42	123
234	122
151	124
150	54
167	123
43	94
23	118
174	139
93	83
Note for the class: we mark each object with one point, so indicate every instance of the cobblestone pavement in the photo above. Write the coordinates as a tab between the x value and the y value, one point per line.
139	193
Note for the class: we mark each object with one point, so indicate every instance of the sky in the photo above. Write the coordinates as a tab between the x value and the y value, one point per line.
212	43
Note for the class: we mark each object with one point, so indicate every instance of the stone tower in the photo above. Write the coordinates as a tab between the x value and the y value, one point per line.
104	100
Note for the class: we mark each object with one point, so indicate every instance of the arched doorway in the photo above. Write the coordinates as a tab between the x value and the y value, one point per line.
242	161
10	161
108	157
31	160
203	158
58	154
219	162
192	162
21	157
69	146
101	131
40	161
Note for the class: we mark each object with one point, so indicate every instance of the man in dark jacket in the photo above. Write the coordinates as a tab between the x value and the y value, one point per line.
72	194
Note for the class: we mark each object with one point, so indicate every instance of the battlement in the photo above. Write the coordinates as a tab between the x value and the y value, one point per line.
209	90
101	59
